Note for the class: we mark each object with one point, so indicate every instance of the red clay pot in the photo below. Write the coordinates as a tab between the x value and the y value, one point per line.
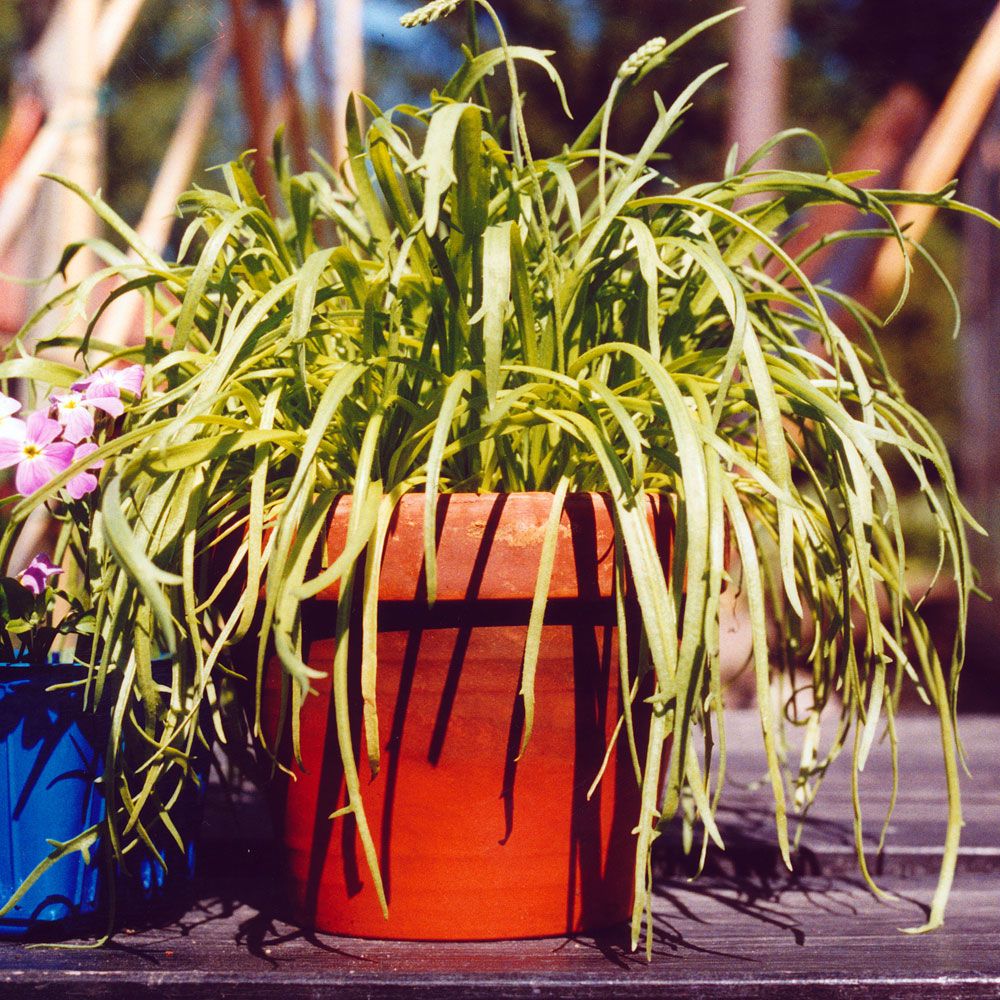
472	843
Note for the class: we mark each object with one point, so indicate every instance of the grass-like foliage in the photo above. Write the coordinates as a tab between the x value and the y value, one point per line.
450	313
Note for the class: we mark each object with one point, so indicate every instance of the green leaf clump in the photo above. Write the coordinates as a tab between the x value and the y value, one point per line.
449	313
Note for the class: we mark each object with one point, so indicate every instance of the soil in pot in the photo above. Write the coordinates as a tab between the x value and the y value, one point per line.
473	843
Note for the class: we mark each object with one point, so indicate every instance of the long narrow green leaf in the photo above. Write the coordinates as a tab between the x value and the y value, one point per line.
496	300
543	580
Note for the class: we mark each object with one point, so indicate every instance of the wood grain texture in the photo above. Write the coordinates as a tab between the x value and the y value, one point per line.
746	928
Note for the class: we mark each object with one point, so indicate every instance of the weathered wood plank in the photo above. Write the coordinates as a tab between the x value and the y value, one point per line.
825	935
748	928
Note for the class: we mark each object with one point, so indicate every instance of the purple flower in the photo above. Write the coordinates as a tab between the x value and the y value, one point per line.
118	380
35	576
33	448
73	408
84	482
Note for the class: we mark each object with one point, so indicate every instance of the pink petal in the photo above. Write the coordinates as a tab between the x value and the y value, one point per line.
111	405
13	428
60	453
81	484
103	383
10	453
11	442
32	474
82	384
41	430
79	424
84	482
102	387
8	406
130	379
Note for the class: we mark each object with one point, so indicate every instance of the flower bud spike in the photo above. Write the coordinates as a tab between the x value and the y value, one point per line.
428	13
640	57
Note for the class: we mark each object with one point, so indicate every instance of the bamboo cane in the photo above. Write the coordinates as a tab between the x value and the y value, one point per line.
348	68
19	193
248	40
116	22
298	32
340	67
82	153
757	93
27	116
297	27
944	146
323	68
185	144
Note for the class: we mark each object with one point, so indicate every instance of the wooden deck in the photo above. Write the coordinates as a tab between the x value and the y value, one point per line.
745	928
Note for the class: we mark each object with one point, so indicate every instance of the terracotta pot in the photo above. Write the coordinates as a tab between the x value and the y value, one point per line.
472	843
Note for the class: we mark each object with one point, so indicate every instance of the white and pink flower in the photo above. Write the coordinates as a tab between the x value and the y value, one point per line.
74	409
33	447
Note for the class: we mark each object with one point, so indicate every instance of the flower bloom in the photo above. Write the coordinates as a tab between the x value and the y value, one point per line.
84	482
35	576
73	408
117	380
32	446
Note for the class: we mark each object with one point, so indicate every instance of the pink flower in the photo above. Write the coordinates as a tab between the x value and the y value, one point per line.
84	482
33	448
73	408
117	379
35	576
73	414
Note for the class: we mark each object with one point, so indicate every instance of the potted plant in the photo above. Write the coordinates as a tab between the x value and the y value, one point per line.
57	868
491	444
49	762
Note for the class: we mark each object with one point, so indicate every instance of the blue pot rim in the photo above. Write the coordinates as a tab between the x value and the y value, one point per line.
26	670
53	671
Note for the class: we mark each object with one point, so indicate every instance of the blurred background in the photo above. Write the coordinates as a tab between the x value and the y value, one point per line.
138	98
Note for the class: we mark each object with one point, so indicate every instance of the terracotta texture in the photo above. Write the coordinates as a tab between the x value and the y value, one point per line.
472	843
489	546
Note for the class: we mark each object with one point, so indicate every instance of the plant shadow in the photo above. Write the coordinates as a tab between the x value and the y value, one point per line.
748	881
236	898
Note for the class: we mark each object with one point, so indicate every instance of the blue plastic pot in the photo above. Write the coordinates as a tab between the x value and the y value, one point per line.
48	769
50	760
